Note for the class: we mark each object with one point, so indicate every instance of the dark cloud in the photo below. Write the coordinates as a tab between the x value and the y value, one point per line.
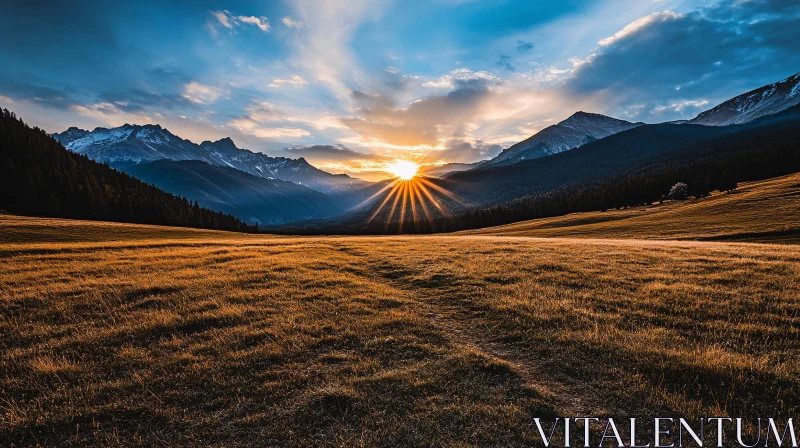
33	92
504	61
136	100
524	47
329	153
666	58
90	51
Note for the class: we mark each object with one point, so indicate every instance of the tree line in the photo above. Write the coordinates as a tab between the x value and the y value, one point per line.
39	177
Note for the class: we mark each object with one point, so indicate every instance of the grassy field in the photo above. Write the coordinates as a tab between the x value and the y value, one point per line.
764	211
126	335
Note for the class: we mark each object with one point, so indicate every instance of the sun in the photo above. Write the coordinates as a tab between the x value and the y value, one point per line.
404	169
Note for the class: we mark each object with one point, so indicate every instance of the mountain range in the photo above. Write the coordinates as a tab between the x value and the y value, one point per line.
255	187
249	198
147	143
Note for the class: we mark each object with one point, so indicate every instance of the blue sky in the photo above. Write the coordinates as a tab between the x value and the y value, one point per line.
354	84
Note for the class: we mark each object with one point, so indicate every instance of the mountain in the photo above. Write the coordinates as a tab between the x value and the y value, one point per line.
630	168
247	197
134	143
744	108
38	177
577	130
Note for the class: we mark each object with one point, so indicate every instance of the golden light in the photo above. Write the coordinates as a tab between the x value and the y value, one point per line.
404	169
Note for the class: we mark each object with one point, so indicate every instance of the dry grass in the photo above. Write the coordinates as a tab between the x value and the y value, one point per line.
124	335
764	211
449	340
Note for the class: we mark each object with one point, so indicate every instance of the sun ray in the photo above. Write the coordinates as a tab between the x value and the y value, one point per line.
441	190
394	204
403	208
425	211
431	198
411	195
397	185
388	186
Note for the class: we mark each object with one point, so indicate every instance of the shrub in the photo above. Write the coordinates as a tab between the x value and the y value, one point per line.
678	191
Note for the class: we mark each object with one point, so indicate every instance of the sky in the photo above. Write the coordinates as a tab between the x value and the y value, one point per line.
353	85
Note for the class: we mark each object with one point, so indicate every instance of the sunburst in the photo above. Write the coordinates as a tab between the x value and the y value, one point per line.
409	192
403	169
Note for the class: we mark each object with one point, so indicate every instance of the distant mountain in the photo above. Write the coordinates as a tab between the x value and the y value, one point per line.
443	170
757	103
38	177
133	143
577	130
630	168
247	197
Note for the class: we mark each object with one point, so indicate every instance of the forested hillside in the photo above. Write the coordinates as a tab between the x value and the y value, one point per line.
39	177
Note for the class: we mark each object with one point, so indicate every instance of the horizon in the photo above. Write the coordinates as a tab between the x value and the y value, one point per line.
352	87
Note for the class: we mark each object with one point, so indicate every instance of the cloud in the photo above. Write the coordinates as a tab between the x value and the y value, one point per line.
230	21
223	19
295	80
264	119
682	105
136	100
110	114
330	154
504	61
664	64
290	23
254	128
424	122
639	25
29	91
524	47
199	93
261	22
322	45
450	80
463	151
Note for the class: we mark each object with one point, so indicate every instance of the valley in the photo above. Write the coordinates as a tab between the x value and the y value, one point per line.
186	337
163	335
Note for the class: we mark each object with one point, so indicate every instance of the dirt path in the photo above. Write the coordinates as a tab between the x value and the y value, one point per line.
569	396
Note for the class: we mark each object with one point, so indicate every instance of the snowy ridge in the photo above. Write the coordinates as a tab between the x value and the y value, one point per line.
767	100
148	143
577	130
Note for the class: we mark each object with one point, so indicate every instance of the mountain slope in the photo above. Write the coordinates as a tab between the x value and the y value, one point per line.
134	143
579	129
249	198
39	177
763	211
747	107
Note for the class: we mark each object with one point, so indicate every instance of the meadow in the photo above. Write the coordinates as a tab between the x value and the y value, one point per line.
762	211
126	335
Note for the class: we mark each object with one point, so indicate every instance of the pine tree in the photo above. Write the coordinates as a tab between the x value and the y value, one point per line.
728	181
700	187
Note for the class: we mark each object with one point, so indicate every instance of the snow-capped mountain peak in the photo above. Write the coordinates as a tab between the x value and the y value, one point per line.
139	144
766	100
580	128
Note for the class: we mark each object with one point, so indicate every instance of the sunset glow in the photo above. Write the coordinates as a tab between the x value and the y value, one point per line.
403	169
